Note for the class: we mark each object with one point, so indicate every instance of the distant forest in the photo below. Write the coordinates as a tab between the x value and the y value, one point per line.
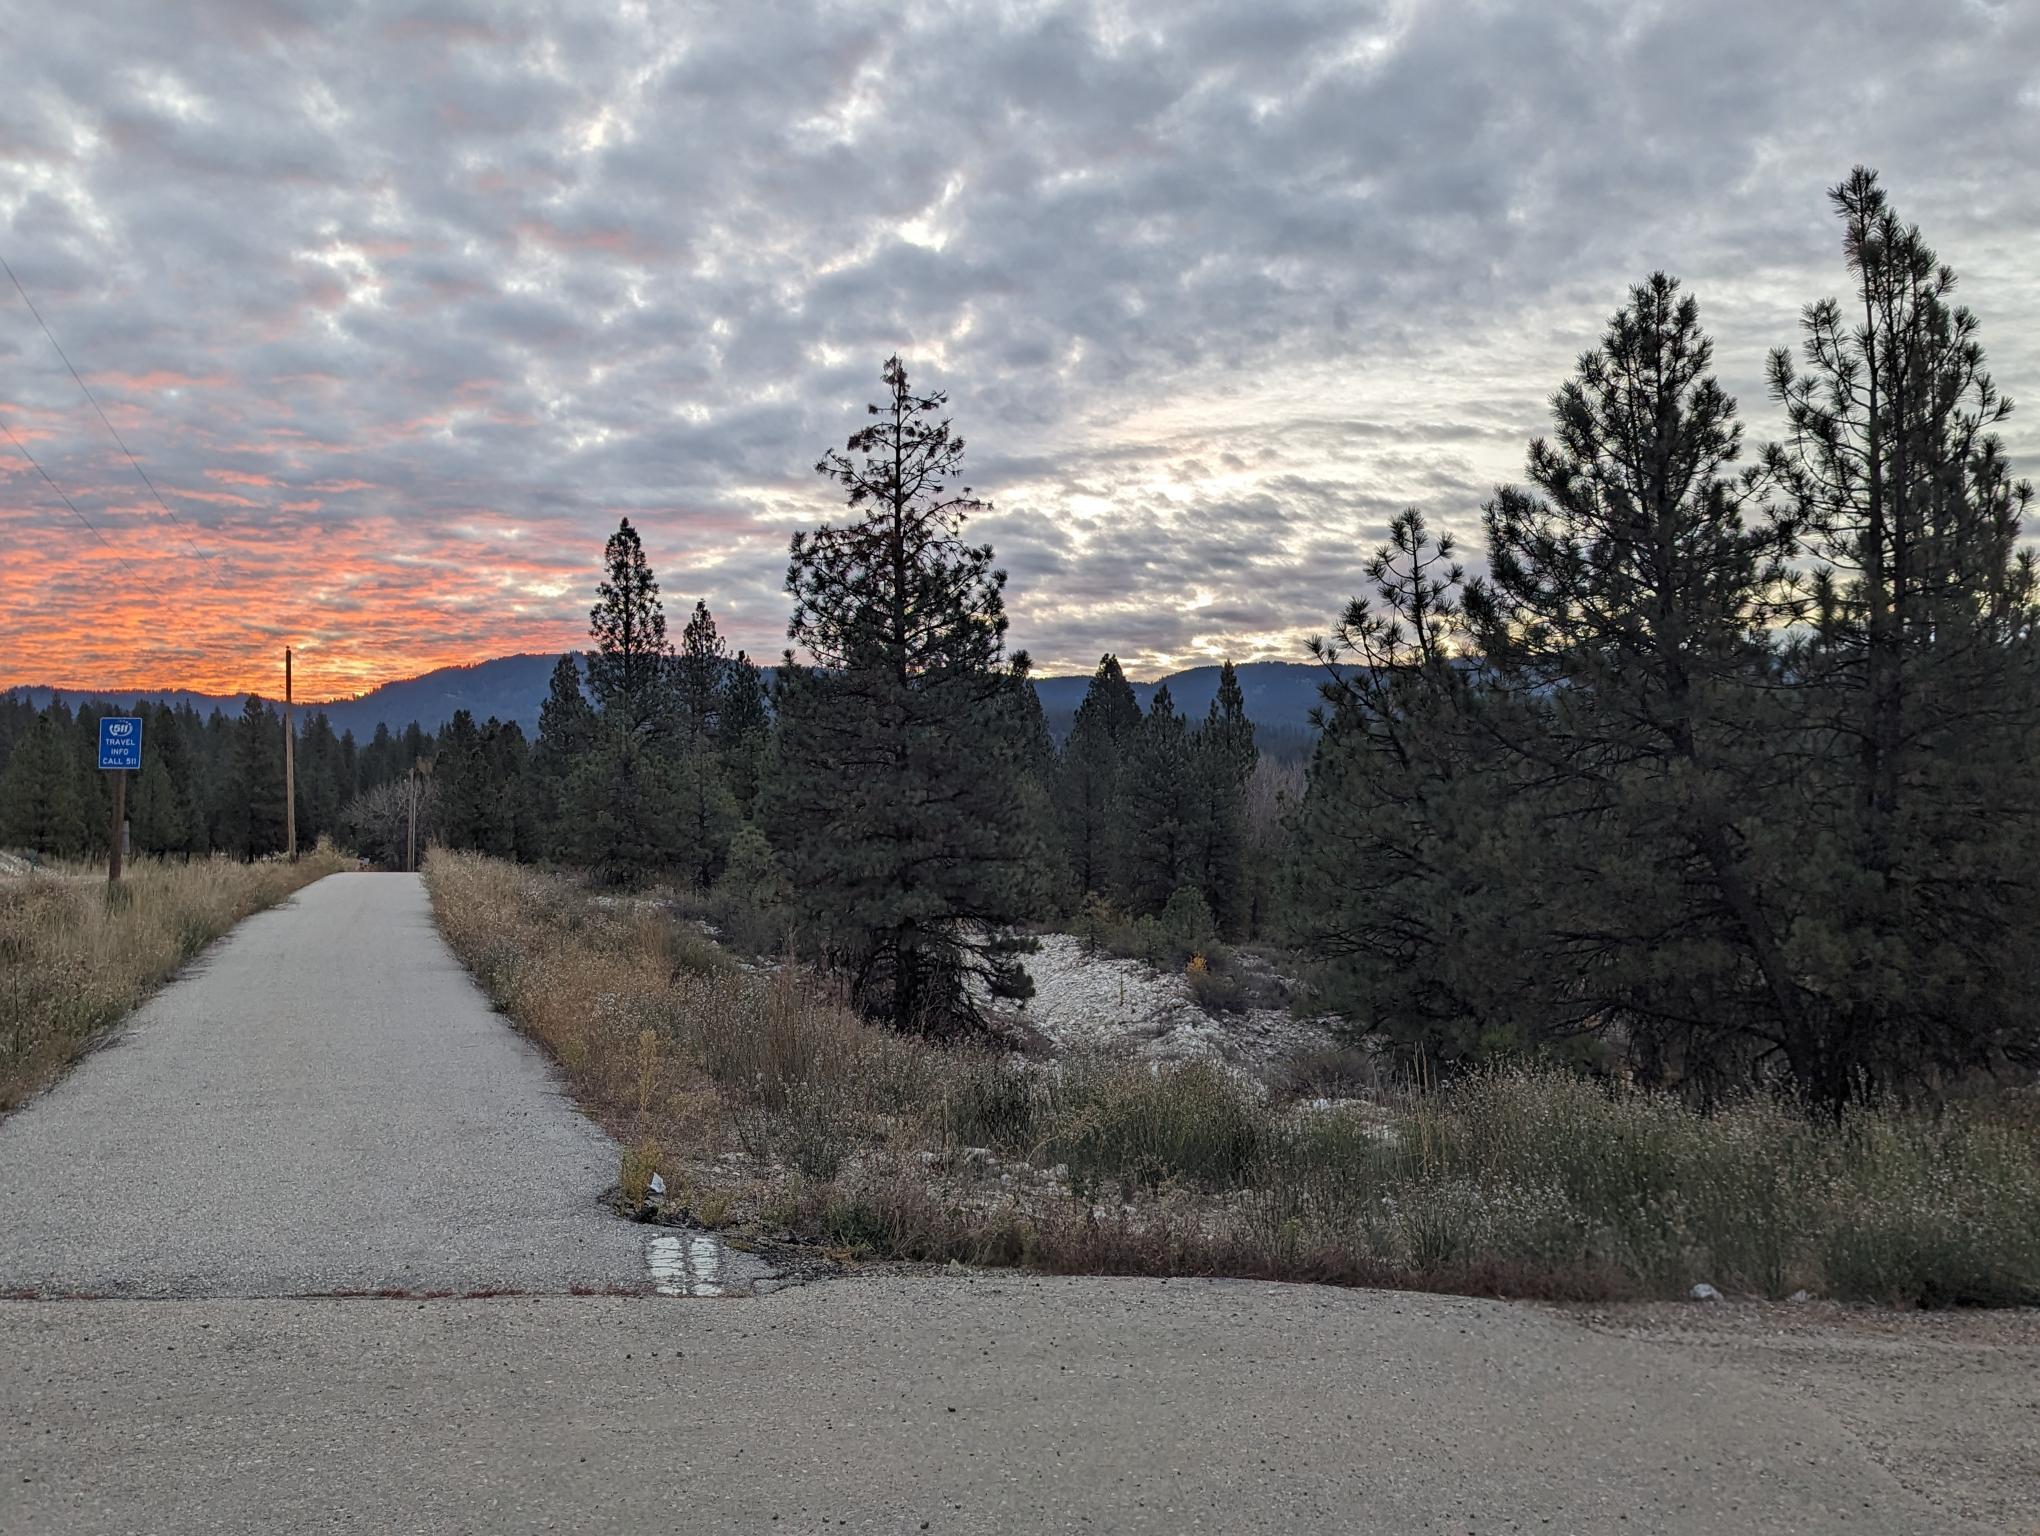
1723	774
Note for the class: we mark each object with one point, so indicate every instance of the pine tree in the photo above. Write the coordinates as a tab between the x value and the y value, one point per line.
1919	856
321	787
1087	777
1158	809
159	799
566	732
893	803
625	823
1409	872
627	794
630	669
251	806
745	722
508	829
466	792
700	670
708	809
1222	761
41	800
1630	672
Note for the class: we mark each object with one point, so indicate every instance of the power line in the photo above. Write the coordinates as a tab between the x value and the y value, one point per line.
22	449
210	560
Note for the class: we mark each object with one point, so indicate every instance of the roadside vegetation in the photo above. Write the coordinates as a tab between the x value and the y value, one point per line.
75	959
773	1109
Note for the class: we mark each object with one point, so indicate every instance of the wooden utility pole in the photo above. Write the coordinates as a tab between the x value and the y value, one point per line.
411	837
289	765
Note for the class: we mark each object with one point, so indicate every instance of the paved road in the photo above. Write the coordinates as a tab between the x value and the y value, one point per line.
326	1104
995	1405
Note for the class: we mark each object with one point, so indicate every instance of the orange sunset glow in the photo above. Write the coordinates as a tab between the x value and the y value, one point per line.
400	314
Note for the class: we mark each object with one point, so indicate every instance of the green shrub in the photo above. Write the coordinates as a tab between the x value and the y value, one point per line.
1128	1124
990	1101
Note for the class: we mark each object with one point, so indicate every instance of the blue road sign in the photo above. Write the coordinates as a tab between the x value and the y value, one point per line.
120	742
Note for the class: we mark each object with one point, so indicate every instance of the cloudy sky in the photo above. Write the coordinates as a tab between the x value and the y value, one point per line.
402	306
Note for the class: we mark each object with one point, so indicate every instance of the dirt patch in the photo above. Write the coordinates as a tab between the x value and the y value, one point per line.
1947	1402
1096	1002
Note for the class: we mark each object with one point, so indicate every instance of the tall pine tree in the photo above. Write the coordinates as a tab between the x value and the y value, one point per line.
1630	672
1088	774
1222	761
894	807
627	822
1920	852
566	733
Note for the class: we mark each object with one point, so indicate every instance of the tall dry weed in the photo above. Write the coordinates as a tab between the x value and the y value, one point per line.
1529	1182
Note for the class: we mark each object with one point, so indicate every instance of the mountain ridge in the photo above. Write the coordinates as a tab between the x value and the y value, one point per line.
1279	695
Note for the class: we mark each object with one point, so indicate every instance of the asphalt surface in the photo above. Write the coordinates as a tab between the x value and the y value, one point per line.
328	1105
325	1103
997	1404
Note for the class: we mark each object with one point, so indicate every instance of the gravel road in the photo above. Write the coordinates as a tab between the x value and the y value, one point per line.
324	1103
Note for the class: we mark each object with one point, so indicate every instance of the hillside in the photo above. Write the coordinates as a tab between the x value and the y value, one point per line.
1280	695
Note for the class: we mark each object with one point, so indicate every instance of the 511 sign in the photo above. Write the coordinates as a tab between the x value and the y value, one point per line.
120	754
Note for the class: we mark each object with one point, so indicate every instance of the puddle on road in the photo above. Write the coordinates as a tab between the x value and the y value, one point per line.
695	1264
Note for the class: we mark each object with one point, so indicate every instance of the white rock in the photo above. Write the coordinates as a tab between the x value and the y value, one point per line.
1704	1292
1802	1296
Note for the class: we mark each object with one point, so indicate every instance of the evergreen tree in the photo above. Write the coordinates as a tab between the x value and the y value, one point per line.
893	805
1627	634
1158	805
1403	884
706	815
1087	779
708	809
700	669
378	763
630	669
508	829
466	790
566	732
627	821
254	811
1919	855
159	798
322	789
625	827
1222	761
745	723
41	799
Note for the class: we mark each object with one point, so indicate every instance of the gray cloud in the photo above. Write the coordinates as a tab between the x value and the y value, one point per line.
1215	288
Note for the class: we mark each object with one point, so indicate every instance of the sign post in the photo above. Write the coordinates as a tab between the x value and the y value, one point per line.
120	754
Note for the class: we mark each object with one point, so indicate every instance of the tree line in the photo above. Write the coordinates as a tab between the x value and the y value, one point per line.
209	784
1728	762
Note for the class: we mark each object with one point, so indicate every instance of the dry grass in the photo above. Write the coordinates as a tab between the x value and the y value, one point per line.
769	1105
76	959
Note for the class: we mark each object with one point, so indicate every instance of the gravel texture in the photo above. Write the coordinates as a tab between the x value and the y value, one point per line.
1947	1402
325	1102
1097	1002
952	1404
